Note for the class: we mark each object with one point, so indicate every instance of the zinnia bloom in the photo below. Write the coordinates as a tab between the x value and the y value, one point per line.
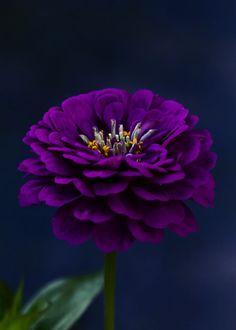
119	168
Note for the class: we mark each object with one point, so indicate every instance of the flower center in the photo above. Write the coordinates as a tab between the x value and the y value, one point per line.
117	142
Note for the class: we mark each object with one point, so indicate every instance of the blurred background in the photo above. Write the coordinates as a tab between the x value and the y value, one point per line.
184	50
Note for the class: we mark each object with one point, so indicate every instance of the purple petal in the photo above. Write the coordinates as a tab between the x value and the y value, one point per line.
126	204
80	110
76	160
80	184
185	149
174	109
66	227
110	104
104	189
140	103
96	173
187	226
192	120
112	236
111	162
206	160
143	233
130	173
33	166
63	124
93	210
55	139
205	194
163	214
115	111
57	196
53	163
150	193
42	134
133	164
179	190
169	177
142	99
196	175
29	192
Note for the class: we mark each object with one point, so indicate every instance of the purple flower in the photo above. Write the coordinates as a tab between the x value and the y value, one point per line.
119	167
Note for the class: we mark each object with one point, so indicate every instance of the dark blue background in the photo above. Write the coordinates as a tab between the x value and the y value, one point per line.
185	50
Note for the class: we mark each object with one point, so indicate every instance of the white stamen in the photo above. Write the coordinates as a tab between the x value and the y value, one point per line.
147	135
136	131
84	138
113	127
109	143
121	131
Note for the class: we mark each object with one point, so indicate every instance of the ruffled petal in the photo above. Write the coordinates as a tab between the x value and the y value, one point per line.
187	226
66	227
33	166
144	233
54	195
92	210
128	205
163	214
205	194
112	236
80	110
107	188
29	192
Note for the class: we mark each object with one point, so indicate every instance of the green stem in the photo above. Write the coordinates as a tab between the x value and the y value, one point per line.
109	291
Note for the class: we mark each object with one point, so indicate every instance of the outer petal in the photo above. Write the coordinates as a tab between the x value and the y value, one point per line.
188	225
185	149
127	204
54	195
95	210
163	214
62	123
29	192
113	236
205	194
66	227
33	166
144	233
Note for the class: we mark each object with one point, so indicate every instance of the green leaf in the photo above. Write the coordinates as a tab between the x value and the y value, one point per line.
13	319
20	322
65	300
17	300
6	298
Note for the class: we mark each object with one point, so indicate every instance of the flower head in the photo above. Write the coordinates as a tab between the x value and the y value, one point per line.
119	168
